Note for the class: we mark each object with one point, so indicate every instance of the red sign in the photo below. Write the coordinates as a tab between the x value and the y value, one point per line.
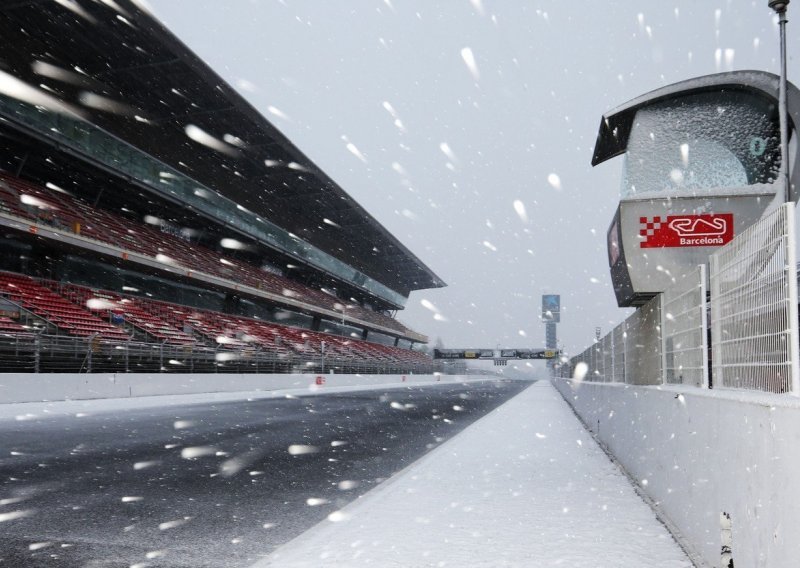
686	230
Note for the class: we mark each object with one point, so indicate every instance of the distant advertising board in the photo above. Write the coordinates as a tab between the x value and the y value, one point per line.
537	353
447	354
710	230
490	353
551	308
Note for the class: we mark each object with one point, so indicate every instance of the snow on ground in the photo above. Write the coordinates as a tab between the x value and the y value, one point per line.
524	486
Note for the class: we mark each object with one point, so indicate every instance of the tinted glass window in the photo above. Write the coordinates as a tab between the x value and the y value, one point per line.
702	142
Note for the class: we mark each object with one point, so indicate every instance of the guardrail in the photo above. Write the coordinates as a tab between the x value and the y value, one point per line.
40	353
752	320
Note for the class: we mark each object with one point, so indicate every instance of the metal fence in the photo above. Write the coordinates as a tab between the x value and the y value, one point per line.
619	338
753	322
630	353
684	330
643	360
754	307
40	352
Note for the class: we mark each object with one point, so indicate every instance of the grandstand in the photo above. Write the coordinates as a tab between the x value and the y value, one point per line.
153	220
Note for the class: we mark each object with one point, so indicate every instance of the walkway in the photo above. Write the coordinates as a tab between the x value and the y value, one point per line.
524	486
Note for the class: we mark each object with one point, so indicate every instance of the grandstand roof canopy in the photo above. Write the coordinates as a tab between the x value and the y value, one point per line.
132	77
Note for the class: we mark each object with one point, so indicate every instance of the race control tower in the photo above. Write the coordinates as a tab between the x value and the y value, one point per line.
701	164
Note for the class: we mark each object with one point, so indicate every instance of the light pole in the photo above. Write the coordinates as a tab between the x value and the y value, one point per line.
779	6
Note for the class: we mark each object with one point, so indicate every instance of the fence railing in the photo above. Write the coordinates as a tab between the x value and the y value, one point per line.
630	353
753	322
754	307
40	352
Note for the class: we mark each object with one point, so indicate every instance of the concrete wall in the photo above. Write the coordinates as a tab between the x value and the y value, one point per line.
698	453
75	386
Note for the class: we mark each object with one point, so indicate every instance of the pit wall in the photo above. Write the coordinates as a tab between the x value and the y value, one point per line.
698	453
75	386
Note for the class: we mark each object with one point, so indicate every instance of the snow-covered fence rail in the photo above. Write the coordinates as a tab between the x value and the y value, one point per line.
754	333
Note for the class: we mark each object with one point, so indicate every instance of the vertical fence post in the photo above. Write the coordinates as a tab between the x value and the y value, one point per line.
791	276
662	324
613	357
704	324
601	354
716	324
624	351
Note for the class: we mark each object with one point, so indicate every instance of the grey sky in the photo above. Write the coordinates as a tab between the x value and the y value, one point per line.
336	76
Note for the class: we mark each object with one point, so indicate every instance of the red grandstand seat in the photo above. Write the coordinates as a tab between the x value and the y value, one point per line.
108	304
117	230
64	314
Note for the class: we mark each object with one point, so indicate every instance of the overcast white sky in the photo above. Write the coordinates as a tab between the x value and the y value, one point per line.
380	94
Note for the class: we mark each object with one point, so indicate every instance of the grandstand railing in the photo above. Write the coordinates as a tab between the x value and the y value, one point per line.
755	342
45	353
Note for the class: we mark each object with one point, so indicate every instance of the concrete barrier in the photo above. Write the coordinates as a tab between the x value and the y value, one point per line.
701	454
33	387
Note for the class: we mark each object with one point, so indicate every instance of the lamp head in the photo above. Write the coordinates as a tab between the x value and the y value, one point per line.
778	5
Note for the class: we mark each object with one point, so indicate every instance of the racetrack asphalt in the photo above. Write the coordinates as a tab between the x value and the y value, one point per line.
211	485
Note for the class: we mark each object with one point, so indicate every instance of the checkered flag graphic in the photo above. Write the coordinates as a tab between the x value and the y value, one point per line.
649	228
